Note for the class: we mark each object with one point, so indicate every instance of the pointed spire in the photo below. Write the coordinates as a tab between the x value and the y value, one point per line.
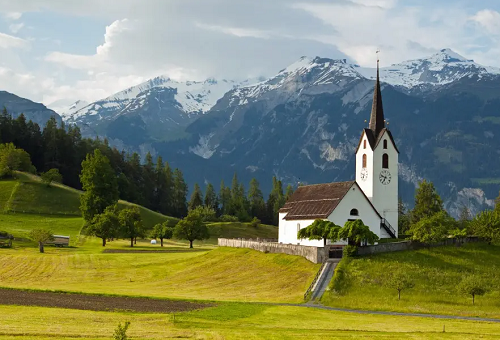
377	121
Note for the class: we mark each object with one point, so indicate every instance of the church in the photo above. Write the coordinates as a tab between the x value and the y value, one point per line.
371	197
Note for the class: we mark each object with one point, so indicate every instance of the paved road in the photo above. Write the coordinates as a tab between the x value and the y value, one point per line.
434	316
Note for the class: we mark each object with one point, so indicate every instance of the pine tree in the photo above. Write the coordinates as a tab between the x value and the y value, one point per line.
210	200
255	197
224	198
196	198
179	195
149	176
289	192
427	202
403	218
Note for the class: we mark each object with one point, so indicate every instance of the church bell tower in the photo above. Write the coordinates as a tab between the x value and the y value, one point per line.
377	165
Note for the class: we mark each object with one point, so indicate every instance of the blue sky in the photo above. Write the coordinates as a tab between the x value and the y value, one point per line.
59	51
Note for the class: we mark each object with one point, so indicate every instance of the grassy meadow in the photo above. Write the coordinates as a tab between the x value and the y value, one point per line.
234	321
436	272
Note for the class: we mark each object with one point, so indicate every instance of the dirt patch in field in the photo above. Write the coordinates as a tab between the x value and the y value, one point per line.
95	302
145	251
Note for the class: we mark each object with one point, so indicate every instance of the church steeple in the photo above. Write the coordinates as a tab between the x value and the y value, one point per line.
377	121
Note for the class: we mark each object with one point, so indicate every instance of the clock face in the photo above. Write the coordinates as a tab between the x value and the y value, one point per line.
385	177
364	174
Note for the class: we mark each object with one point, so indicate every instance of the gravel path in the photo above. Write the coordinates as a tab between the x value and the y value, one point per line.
95	302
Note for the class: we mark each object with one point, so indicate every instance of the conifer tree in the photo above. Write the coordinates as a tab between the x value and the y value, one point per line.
255	197
289	192
224	198
210	200
427	202
179	195
196	198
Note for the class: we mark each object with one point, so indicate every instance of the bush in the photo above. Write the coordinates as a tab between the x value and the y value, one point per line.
349	251
255	222
340	280
50	176
121	331
228	218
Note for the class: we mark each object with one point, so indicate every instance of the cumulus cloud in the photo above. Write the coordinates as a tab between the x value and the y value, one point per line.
488	19
9	41
14	28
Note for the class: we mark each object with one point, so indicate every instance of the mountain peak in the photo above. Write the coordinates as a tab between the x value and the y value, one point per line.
449	56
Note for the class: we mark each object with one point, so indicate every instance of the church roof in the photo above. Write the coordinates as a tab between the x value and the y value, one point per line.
374	141
377	120
310	202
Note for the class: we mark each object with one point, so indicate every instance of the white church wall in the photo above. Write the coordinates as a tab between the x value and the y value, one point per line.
288	232
385	197
366	184
355	199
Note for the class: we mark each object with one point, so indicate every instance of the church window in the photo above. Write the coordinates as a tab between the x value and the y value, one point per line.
364	161
298	227
354	212
385	161
385	143
364	144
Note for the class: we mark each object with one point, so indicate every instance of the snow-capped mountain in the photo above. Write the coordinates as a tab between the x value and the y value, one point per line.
157	109
69	111
192	97
443	67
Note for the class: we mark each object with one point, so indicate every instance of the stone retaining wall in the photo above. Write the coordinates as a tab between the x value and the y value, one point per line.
313	254
409	245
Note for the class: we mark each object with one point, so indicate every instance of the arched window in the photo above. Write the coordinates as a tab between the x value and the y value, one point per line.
385	143
298	227
354	212
385	161
364	144
364	161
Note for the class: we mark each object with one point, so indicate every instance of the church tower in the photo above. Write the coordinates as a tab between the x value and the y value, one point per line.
377	166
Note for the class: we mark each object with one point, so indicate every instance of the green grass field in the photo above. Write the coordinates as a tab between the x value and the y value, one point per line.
234	321
27	194
436	273
202	273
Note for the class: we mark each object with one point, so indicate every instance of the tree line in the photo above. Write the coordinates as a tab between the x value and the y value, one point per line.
151	183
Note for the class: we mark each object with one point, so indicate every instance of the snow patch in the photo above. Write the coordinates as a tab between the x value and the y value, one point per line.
203	149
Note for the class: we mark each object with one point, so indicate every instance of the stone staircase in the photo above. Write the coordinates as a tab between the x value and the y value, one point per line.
324	279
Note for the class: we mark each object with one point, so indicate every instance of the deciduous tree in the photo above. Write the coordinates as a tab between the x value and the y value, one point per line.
53	175
432	229
105	225
41	236
486	225
320	230
191	228
162	231
472	285
356	232
99	183
399	280
131	223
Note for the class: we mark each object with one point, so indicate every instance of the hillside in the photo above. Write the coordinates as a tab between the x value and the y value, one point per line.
27	194
436	272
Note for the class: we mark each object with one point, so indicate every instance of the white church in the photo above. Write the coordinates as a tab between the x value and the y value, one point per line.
372	197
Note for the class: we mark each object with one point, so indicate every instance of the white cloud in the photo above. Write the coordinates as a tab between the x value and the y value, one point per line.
488	19
192	39
14	28
13	15
8	41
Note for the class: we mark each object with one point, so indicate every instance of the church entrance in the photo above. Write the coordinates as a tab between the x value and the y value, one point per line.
335	252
